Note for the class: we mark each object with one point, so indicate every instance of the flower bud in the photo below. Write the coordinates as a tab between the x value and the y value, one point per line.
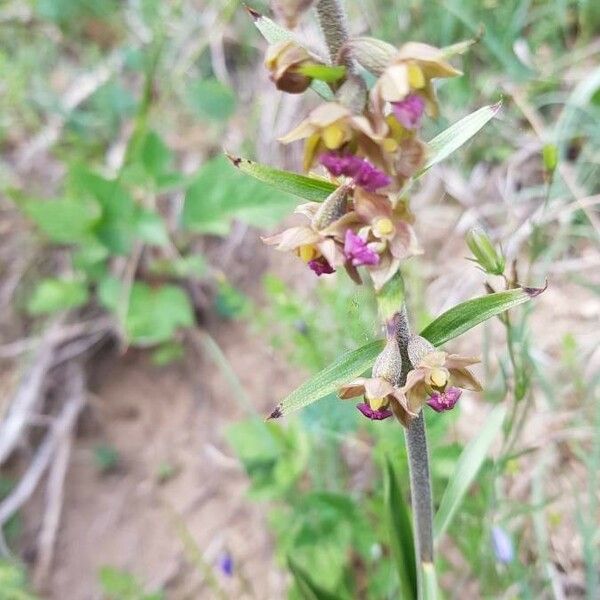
332	208
388	364
353	94
372	54
283	60
417	348
502	545
290	11
488	258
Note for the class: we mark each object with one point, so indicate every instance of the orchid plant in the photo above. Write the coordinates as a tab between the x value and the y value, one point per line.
363	153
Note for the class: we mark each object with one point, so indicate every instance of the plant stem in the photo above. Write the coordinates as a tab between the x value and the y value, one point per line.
418	461
333	23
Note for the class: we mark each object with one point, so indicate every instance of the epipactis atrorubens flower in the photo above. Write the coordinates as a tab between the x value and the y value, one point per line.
319	244
406	83
284	60
387	231
334	127
381	393
437	378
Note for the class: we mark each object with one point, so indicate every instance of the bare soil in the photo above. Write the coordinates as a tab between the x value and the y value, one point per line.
132	519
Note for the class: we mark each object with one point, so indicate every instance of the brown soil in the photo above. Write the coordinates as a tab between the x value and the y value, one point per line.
130	519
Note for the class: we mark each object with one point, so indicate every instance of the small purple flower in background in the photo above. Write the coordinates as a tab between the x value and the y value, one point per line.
320	266
409	111
444	400
362	171
502	545
225	564
374	415
357	251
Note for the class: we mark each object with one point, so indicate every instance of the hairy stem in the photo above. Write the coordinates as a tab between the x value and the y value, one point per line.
418	460
333	23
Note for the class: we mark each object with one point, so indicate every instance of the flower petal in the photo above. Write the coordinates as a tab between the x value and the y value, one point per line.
353	389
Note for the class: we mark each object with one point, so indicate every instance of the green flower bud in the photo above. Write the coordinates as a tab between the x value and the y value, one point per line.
486	256
550	158
372	54
388	365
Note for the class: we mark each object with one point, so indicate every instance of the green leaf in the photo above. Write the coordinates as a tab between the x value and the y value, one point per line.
465	316
307	587
52	295
121	585
347	367
323	72
212	99
469	463
430	584
150	228
401	533
274	33
154	315
451	139
308	188
219	194
63	220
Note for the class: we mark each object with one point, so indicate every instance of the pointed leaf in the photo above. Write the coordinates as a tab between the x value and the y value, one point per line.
401	533
347	367
468	466
309	188
451	139
273	33
465	316
308	589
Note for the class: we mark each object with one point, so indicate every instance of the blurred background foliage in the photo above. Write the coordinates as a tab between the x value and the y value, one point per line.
117	200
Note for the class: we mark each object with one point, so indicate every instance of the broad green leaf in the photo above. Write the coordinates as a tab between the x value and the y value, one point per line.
465	316
219	194
401	533
451	139
52	295
63	220
13	581
307	587
150	228
469	463
212	99
323	72
347	367
273	33
309	188
155	314
430	584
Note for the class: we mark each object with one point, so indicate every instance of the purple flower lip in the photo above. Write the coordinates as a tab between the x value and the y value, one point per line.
374	415
321	266
409	111
362	171
445	400
357	251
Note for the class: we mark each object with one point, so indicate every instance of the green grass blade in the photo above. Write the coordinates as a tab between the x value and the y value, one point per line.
347	367
401	533
308	588
451	139
273	33
309	188
465	316
431	590
469	463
